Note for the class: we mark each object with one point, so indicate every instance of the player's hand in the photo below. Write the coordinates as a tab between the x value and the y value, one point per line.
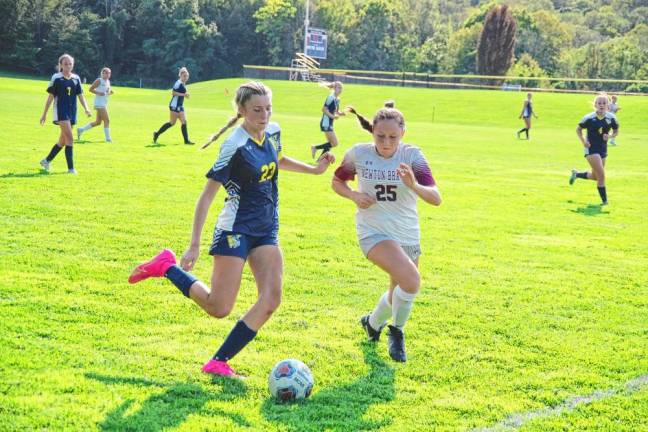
88	113
586	144
42	120
363	200
324	162
187	95
406	174
606	137
189	258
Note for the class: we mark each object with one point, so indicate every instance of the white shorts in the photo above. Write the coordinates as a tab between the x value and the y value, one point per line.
367	243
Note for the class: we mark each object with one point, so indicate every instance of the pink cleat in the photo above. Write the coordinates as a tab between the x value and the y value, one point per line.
217	367
156	267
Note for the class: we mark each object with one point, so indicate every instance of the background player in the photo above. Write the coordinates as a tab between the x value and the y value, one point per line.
176	107
330	112
101	89
63	89
598	125
391	176
527	112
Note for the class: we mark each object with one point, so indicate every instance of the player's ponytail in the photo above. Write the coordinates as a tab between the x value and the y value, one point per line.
389	112
243	94
364	123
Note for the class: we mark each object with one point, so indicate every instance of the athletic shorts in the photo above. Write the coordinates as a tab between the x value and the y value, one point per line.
177	109
65	116
228	243
367	243
326	124
595	150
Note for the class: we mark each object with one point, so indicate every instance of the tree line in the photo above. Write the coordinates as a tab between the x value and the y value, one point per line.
151	39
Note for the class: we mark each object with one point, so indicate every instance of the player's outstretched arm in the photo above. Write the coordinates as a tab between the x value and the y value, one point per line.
290	164
190	257
361	199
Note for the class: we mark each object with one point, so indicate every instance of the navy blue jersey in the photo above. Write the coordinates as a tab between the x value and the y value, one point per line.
528	109
65	93
248	171
596	127
177	101
332	105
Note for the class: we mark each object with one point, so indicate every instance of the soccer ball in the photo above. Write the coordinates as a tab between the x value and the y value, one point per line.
290	379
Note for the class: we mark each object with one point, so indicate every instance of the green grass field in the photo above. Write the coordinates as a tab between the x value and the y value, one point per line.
532	296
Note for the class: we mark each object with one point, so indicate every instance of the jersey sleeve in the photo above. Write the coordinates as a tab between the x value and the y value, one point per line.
347	169
221	171
329	100
614	123
178	87
78	88
421	169
51	87
274	136
584	122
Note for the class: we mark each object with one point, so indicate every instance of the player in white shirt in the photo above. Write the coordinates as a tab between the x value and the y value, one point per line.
391	177
614	108
101	89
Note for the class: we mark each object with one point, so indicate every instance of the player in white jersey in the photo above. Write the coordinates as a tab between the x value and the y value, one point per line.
391	177
101	89
614	108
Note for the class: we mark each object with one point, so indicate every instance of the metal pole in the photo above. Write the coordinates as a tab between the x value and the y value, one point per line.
306	23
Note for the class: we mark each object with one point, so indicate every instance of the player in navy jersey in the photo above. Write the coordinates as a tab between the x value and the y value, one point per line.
598	125
63	89
176	107
527	112
246	230
102	90
330	112
391	177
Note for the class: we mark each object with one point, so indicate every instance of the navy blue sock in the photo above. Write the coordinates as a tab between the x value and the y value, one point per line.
180	279
185	133
52	154
326	147
164	127
239	337
602	192
526	131
69	157
582	175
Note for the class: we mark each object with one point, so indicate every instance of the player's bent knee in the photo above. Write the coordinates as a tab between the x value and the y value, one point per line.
411	283
219	310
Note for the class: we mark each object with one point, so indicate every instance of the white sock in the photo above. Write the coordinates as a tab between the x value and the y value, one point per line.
86	127
402	303
381	312
107	133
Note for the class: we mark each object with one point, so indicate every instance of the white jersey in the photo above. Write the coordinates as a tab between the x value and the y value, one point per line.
613	108
394	213
103	87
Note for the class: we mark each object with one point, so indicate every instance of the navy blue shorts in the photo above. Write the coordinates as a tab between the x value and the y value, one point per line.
326	124
65	116
229	243
595	150
177	109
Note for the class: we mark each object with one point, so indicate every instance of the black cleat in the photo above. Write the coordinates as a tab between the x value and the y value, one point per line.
372	335
396	344
155	137
190	142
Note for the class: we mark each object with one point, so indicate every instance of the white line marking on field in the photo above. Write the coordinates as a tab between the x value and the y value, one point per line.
514	421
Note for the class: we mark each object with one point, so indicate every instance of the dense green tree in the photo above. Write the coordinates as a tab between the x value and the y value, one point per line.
496	42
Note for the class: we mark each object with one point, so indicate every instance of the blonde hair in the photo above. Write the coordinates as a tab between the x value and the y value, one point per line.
602	95
243	94
331	85
63	57
386	113
182	70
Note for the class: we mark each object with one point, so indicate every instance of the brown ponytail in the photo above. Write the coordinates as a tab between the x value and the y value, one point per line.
232	121
364	123
387	113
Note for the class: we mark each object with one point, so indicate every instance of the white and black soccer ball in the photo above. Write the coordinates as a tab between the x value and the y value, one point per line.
290	380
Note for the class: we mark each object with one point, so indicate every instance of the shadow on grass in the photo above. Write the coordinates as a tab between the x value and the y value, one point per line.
590	210
155	145
170	407
340	408
41	173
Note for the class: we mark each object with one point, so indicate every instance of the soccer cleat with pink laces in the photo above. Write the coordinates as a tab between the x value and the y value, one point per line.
156	267
217	367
